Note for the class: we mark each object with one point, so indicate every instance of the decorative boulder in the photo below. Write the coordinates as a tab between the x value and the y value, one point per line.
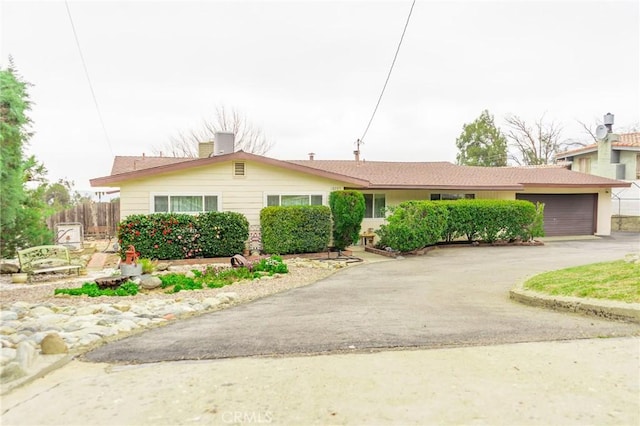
162	266
9	268
53	344
149	282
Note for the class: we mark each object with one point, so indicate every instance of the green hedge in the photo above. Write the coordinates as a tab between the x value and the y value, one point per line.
416	224
295	229
492	220
222	234
183	236
413	225
347	211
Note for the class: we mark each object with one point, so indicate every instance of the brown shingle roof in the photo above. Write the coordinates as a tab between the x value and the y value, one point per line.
450	176
128	168
128	164
375	174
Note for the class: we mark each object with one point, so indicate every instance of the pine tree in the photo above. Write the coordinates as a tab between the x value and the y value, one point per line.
481	143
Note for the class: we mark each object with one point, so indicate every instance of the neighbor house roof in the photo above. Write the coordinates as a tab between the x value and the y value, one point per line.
630	141
374	174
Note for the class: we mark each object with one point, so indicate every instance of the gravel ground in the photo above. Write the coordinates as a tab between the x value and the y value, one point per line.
301	273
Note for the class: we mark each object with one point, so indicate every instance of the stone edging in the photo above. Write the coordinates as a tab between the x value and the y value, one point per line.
596	307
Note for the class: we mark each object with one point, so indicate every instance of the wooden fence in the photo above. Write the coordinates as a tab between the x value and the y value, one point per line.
97	219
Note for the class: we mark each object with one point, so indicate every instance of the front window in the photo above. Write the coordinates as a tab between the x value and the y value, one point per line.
374	206
185	203
452	196
294	200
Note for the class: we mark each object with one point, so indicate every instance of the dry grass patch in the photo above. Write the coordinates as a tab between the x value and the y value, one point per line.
619	280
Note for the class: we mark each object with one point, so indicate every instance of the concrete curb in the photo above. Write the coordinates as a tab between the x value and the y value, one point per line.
43	366
609	309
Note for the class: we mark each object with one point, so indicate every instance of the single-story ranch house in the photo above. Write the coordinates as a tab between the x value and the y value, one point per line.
575	203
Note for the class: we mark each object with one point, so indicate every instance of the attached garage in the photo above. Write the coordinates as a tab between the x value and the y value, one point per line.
566	214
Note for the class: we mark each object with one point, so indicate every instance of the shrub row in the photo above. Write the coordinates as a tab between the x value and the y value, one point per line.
413	225
183	236
295	229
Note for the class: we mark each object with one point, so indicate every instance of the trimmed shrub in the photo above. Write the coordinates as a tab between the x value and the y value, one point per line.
295	229
503	219
347	211
183	236
460	220
413	225
416	224
222	234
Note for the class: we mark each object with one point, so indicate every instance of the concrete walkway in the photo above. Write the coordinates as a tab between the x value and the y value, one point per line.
578	382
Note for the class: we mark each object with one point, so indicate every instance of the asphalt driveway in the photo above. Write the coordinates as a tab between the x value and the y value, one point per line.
449	297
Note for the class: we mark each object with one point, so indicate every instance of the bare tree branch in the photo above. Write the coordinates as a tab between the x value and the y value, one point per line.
587	130
533	145
247	137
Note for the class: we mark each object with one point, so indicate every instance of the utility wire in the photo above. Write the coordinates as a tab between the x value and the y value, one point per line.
389	74
86	73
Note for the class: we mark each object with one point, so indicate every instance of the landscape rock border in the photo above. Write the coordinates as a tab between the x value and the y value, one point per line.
82	327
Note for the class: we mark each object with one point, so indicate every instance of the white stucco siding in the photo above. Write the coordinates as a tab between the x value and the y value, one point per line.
245	194
629	159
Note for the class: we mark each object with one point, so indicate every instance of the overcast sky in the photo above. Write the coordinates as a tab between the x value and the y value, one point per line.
309	73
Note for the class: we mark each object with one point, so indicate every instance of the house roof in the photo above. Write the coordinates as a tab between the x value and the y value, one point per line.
128	164
444	175
626	141
374	174
128	168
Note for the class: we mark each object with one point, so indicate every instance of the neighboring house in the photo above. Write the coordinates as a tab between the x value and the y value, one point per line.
615	157
575	203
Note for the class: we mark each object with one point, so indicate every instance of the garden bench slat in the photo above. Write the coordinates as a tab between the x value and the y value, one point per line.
43	259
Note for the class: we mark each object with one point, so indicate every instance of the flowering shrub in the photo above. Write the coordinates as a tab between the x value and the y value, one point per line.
182	236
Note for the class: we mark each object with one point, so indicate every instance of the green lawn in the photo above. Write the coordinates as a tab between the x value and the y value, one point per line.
619	280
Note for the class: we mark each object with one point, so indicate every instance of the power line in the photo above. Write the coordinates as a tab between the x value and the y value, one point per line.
86	73
389	74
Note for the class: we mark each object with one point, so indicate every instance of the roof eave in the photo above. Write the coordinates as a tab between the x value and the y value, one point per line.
616	184
451	187
202	162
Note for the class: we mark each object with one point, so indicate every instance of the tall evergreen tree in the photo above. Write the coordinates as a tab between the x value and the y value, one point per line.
481	143
21	210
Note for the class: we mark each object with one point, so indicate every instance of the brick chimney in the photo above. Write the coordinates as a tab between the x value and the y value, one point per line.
356	153
311	155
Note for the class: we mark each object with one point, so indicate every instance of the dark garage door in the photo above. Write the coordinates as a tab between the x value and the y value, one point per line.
566	214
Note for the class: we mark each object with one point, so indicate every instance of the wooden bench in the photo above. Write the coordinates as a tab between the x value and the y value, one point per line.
43	259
